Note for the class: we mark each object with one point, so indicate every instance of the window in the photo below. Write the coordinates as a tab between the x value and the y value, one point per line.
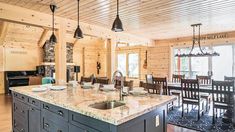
121	58
133	65
219	65
130	64
223	64
181	66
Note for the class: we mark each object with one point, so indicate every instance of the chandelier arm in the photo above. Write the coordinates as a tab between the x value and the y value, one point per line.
199	40
193	40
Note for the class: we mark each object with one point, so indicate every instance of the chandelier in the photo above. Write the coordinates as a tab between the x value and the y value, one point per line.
197	41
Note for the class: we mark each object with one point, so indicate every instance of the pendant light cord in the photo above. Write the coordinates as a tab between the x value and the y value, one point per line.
53	24
117	7
78	12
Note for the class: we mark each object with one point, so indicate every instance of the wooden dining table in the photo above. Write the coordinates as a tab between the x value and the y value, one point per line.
177	86
207	89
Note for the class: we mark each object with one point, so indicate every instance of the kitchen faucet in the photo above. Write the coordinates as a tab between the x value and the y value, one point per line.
121	94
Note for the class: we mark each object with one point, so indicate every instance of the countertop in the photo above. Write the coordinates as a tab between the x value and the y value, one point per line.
78	100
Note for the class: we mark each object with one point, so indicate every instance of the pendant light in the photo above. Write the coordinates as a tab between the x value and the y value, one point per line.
197	40
78	33
53	38
117	24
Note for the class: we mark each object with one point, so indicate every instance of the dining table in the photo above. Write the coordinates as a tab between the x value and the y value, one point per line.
230	116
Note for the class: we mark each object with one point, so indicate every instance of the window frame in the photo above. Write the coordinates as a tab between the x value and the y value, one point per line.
127	62
210	63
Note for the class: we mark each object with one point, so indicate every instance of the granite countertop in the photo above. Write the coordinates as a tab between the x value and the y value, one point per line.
78	100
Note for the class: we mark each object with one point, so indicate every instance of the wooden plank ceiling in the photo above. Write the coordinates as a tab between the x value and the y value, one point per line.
156	19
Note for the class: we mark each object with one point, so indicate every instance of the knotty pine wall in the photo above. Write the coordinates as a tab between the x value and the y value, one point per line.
85	55
160	56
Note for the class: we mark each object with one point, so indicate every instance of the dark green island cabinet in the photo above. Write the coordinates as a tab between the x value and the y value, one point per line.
32	115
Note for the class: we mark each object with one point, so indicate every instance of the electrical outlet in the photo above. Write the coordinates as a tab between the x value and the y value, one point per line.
157	121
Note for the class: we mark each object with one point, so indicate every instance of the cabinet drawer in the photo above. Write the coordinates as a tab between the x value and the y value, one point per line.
80	128
81	120
20	109
20	97
20	124
34	102
49	126
58	111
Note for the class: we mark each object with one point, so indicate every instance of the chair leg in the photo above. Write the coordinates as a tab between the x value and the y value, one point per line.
187	108
213	120
198	113
207	105
182	110
179	101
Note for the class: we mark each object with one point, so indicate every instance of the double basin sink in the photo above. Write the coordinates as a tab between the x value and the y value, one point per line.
107	105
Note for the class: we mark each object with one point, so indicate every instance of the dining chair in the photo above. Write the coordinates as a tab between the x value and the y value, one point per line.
86	79
142	84
177	79
223	92
129	84
149	78
163	81
190	95
205	80
154	88
102	80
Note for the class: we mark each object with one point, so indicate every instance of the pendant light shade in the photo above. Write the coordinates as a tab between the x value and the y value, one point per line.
53	38
78	32
117	24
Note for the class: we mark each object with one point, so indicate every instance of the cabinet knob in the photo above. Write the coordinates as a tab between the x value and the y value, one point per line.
60	113
46	107
46	124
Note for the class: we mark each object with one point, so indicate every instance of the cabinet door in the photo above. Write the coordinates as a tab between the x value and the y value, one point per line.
34	120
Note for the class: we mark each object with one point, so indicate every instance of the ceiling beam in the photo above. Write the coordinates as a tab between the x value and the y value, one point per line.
3	32
44	37
29	17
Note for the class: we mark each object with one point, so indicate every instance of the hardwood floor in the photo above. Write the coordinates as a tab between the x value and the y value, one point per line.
5	117
5	113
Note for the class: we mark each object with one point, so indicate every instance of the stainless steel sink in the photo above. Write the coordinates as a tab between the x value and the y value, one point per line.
107	105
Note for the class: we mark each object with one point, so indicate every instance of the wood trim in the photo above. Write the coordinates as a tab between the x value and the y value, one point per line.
43	38
3	32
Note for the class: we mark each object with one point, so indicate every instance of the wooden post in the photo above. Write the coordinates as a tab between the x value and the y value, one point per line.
60	54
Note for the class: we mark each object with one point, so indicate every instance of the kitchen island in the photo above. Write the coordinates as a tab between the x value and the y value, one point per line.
70	110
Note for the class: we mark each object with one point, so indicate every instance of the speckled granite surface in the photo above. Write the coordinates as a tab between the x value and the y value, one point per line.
78	100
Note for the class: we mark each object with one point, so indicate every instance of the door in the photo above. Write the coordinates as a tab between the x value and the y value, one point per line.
34	120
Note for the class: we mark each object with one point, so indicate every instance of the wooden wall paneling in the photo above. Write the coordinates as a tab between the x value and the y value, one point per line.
3	31
60	55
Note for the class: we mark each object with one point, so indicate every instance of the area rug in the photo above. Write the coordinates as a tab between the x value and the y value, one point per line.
204	124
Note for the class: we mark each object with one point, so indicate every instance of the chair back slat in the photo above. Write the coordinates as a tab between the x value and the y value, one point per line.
177	78
163	82
223	92
190	89
102	80
204	79
154	88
